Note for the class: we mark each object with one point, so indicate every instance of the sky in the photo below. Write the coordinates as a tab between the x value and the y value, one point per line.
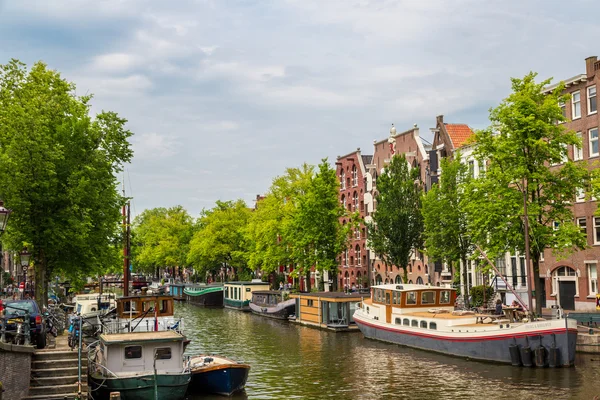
223	95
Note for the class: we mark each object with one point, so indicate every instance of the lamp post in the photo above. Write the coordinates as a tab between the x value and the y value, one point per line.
25	256
4	214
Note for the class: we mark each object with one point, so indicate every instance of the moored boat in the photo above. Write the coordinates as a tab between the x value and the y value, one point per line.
209	296
237	295
143	314
216	374
423	317
273	304
139	365
328	310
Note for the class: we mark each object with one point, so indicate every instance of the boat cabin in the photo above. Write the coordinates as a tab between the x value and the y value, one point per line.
176	290
151	306
329	310
92	304
268	298
136	352
204	295
239	294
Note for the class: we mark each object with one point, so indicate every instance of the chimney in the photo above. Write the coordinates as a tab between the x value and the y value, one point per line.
589	66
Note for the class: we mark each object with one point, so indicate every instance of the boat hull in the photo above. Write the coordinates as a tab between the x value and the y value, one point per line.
213	299
280	311
222	379
140	387
493	347
237	304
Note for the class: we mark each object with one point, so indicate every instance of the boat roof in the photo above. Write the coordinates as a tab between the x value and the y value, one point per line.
139	337
408	287
332	295
278	292
202	290
148	296
246	283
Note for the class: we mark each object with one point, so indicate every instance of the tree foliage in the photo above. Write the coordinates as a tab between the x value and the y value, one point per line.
58	166
397	226
522	143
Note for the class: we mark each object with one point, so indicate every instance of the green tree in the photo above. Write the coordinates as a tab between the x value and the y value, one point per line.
161	238
219	241
397	226
522	144
58	166
445	219
319	237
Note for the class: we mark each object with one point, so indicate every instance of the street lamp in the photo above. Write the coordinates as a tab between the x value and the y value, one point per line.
4	214
25	256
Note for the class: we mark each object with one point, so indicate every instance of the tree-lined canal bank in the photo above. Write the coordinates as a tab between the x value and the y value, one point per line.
290	361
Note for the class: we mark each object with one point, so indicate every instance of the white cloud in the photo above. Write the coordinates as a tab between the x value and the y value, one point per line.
115	62
153	146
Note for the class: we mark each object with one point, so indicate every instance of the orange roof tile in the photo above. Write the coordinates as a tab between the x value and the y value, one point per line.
459	134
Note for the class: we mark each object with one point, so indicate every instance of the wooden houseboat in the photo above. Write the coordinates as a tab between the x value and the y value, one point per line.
328	310
423	317
139	365
238	295
176	290
203	295
273	303
143	314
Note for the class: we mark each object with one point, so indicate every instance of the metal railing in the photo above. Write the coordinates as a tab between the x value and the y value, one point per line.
144	325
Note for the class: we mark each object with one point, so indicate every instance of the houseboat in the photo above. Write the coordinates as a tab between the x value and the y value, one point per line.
208	296
423	317
216	374
139	365
143	314
93	306
237	295
176	290
328	310
273	304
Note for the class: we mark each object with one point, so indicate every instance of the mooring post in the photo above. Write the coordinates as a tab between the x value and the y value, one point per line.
113	396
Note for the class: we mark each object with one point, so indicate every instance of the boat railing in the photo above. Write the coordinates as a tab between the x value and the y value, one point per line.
145	325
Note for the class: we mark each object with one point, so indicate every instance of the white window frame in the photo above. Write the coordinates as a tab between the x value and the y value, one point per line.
355	201
358	255
564	157
563	107
343	180
354	176
569	278
573	102
592	282
578	150
591	140
589	98
596	230
580	195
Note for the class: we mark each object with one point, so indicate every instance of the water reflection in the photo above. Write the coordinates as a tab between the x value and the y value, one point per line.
294	362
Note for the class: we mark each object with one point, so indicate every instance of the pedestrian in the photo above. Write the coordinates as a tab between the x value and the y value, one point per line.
280	285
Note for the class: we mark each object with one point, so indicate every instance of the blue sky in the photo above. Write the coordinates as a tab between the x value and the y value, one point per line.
223	95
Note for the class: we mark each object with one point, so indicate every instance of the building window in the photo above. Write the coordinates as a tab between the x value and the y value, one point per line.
596	230
346	257
564	153
563	109
357	233
578	150
591	100
472	168
580	195
581	222
593	135
576	105
343	180
357	253
344	201
354	176
355	201
592	278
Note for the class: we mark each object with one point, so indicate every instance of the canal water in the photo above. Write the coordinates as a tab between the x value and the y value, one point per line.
295	362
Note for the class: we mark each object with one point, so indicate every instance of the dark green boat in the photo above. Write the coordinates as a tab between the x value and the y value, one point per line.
139	365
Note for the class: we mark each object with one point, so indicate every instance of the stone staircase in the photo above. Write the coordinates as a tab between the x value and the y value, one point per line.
54	375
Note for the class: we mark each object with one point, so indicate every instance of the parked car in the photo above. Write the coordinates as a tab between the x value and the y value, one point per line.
15	309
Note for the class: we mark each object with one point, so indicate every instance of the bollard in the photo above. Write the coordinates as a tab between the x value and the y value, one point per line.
113	396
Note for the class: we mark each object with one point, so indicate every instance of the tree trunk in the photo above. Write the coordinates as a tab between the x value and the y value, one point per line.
41	287
465	292
535	284
308	286
404	274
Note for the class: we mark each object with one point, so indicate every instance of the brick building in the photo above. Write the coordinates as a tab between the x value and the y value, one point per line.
410	144
355	196
573	282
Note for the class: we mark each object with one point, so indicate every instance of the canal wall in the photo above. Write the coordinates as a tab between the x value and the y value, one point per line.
15	370
587	343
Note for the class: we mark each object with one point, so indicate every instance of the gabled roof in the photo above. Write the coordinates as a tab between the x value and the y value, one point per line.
367	160
459	134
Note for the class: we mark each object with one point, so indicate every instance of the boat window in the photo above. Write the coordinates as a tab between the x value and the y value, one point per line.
310	303
387	298
398	321
411	298
423	324
147	306
406	322
133	352
163	353
445	297
394	298
164	306
432	325
414	323
428	298
129	306
227	292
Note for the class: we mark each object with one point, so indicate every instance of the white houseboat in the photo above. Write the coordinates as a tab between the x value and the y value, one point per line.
238	294
423	317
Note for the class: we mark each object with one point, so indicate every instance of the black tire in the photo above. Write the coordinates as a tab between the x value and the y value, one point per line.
40	341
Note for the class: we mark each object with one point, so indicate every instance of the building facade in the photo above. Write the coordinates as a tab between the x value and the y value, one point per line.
573	282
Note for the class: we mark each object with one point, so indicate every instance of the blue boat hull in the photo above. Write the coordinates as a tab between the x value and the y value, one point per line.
223	381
